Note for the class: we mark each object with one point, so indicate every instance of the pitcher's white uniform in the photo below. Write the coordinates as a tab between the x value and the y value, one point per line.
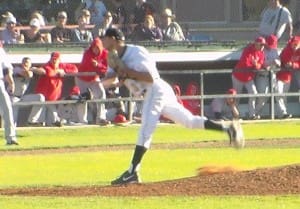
5	103
159	96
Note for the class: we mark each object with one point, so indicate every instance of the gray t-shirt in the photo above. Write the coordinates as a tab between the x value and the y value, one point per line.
269	18
21	83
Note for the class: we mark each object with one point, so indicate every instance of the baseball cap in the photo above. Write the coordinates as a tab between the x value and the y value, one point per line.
7	14
75	91
260	40
295	40
62	14
55	55
115	33
35	22
231	91
168	13
272	41
11	19
120	118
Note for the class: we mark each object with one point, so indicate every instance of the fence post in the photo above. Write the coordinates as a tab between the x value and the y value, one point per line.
202	93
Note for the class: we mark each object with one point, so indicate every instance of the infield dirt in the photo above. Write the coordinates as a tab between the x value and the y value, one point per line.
211	180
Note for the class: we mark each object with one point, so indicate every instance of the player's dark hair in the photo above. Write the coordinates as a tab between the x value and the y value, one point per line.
25	59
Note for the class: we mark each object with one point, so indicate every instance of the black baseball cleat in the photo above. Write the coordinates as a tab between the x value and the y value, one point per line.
12	142
126	178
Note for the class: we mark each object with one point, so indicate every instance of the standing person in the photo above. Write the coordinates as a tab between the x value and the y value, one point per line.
97	9
225	108
94	60
290	62
250	62
141	9
275	19
50	84
262	79
22	77
119	14
159	99
5	103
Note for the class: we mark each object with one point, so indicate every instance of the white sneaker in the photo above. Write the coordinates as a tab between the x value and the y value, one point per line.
236	135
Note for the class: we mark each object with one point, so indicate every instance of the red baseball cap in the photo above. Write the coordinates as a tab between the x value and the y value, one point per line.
75	91
295	40
55	55
272	41
231	91
120	118
260	40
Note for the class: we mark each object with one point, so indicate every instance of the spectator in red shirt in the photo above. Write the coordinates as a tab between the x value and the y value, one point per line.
193	105
250	62
94	61
50	85
290	61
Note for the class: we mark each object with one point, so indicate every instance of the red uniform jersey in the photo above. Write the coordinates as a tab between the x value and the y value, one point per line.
50	84
89	57
288	55
193	105
244	69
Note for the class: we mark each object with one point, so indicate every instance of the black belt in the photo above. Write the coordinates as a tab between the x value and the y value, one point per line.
263	75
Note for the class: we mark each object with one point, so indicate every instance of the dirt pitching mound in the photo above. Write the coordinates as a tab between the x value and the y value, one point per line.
210	181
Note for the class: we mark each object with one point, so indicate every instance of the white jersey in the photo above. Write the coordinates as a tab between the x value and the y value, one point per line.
139	59
4	63
269	18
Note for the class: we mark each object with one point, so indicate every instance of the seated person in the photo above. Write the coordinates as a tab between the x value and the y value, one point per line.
171	30
100	28
22	76
81	34
225	108
50	84
11	34
73	112
147	31
60	33
34	35
193	105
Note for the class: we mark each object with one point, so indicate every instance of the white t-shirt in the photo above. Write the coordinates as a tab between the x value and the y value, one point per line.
269	18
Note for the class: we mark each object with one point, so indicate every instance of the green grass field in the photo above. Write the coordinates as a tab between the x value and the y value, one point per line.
81	165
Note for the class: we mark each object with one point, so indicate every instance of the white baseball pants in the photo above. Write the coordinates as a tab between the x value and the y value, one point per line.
161	100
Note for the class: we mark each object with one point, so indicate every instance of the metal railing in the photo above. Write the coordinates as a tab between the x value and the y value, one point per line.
202	97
